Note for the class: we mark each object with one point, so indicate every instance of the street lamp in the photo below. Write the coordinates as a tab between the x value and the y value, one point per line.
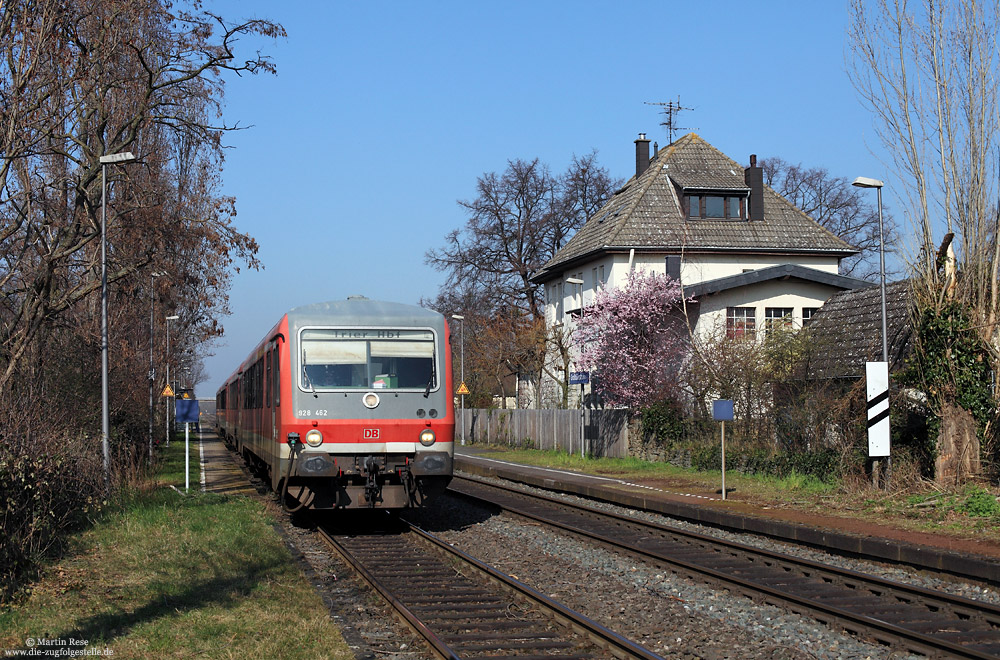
152	371
123	157
865	182
459	317
168	319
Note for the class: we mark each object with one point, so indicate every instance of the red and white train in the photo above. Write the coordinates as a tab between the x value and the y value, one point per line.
347	404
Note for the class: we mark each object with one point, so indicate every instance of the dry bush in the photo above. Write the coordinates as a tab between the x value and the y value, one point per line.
50	482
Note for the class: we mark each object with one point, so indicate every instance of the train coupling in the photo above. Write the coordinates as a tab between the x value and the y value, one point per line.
373	486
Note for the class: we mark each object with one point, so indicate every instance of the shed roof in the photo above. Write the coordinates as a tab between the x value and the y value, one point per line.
846	332
779	272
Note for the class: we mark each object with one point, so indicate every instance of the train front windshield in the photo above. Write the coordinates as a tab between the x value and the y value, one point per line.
382	359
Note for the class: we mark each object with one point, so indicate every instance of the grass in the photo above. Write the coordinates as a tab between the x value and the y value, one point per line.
634	468
170	576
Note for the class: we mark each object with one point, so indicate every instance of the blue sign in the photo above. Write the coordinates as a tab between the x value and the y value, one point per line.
579	377
722	410
187	411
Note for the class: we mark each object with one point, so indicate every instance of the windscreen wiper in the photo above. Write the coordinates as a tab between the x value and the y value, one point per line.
305	374
430	381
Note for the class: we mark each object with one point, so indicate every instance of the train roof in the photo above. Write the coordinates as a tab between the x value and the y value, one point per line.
362	312
355	311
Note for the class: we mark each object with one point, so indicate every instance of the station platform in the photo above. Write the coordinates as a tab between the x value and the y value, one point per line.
843	535
219	472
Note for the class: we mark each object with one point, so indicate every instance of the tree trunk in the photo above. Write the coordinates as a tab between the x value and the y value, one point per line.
957	447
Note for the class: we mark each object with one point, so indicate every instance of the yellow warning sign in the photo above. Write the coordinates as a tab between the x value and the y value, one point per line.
462	389
186	395
167	391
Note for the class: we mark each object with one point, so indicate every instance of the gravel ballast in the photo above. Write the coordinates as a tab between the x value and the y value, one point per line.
669	615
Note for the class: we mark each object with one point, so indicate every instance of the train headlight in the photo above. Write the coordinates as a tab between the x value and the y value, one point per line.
370	400
314	438
427	437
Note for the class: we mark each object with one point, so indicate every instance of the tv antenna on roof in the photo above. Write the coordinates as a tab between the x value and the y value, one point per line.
670	111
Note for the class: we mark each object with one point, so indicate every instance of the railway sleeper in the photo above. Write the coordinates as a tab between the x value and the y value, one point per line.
942	627
480	615
493	623
459	600
478	643
574	656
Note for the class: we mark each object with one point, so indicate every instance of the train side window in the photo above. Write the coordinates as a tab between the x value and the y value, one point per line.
267	381
277	383
259	384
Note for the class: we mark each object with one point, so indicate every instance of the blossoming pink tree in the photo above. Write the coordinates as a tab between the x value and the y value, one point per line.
635	339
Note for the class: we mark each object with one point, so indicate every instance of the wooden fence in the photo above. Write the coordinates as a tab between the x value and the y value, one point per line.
603	432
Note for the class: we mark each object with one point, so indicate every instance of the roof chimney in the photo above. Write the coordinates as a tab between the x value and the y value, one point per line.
641	154
754	178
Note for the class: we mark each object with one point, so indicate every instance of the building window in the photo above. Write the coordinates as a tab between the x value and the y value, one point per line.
601	269
777	318
733	208
673	262
807	315
716	207
694	206
741	322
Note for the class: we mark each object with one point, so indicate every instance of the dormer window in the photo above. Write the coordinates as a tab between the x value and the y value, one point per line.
716	207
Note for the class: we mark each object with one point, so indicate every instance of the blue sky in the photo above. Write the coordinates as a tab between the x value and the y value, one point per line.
383	114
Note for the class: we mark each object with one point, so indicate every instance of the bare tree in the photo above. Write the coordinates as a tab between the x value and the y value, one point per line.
83	79
927	69
515	225
839	207
80	79
518	221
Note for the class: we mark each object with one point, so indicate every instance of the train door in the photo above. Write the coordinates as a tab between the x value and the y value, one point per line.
275	390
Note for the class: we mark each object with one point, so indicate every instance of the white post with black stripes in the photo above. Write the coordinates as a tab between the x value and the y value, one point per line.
877	381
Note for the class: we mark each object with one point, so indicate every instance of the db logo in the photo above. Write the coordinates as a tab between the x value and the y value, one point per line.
371	434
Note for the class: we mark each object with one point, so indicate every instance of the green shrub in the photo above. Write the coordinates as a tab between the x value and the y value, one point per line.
824	465
979	502
664	422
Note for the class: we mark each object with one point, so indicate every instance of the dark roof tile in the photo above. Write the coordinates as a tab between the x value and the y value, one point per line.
647	214
846	332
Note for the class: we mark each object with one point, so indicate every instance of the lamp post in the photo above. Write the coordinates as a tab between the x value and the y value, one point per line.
865	182
168	319
459	317
152	371
123	157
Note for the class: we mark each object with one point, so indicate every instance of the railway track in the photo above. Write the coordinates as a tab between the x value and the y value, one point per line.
903	617
431	587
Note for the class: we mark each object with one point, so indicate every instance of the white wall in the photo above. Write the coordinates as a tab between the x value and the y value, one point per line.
694	269
775	293
703	267
697	268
